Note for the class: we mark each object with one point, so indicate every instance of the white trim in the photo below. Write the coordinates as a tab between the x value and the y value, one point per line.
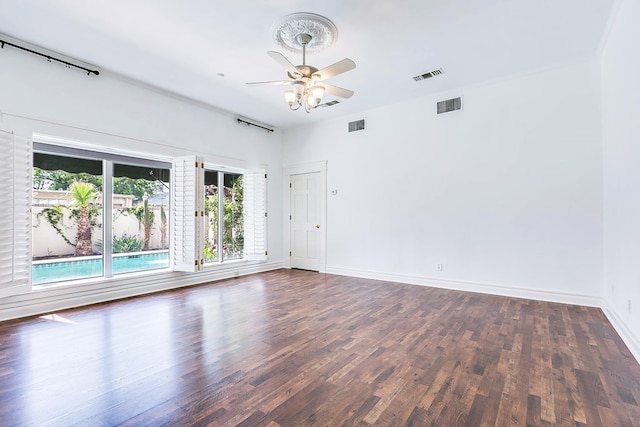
484	288
98	148
107	220
46	300
217	167
625	331
320	167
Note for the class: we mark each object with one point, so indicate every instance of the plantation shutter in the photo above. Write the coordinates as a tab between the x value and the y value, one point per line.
15	214
255	215
187	216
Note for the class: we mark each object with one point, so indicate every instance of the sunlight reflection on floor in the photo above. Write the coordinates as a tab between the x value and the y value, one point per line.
57	318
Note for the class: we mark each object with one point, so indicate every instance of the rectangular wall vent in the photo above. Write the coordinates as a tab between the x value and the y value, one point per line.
329	104
428	75
357	125
449	105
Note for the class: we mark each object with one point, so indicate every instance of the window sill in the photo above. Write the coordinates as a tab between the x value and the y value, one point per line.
113	280
64	295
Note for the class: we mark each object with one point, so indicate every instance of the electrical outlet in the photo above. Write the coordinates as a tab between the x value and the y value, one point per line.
439	267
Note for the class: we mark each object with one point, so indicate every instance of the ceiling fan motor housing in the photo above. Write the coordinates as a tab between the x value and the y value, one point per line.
307	72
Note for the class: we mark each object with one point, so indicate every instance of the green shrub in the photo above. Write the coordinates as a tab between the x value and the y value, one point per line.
127	243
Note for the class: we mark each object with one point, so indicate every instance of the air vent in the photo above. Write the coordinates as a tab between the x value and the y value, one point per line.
329	104
357	125
449	105
428	75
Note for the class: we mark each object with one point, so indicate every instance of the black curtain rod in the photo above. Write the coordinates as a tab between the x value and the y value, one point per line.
49	57
253	124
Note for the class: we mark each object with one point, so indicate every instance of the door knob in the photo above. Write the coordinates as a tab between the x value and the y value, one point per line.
317	225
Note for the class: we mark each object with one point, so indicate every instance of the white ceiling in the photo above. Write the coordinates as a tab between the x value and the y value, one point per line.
182	46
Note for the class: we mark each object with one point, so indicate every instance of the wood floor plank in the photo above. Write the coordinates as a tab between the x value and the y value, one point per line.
298	348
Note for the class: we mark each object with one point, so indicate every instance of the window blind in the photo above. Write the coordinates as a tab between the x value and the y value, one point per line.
255	215
187	217
15	214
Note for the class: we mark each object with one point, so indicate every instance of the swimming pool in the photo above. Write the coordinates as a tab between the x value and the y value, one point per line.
58	270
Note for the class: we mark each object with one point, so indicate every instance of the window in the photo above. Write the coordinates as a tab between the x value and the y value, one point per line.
140	205
229	208
224	216
70	213
97	214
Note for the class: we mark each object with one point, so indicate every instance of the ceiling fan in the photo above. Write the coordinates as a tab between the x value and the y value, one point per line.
307	81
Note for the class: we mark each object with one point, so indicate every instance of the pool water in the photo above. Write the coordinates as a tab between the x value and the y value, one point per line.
70	269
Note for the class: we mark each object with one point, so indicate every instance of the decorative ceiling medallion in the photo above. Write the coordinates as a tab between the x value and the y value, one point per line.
323	32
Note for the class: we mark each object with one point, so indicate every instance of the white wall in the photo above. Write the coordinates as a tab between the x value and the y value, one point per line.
49	99
621	153
506	192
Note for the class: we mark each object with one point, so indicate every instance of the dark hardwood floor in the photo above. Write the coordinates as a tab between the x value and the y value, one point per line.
295	348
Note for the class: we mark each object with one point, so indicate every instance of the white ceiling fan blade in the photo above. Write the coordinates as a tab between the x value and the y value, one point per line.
273	83
284	62
337	91
337	68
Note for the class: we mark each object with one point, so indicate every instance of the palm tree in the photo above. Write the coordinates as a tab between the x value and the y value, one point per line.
145	218
84	195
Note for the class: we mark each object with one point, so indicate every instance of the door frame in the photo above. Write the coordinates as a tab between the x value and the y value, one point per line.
320	167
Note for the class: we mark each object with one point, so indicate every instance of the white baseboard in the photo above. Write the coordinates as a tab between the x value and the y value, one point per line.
626	333
483	288
47	300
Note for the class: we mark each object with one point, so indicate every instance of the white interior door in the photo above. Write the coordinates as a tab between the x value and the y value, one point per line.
305	221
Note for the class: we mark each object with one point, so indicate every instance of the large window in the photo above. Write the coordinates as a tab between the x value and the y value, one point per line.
97	214
72	213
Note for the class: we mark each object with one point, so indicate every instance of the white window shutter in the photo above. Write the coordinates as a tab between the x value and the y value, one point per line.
15	214
255	215
187	213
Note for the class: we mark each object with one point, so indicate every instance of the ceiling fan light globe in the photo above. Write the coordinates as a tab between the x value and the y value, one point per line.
315	96
298	88
317	91
309	102
290	97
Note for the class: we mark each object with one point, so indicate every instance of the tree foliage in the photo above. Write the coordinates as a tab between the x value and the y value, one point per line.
232	221
61	181
146	219
84	210
135	187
